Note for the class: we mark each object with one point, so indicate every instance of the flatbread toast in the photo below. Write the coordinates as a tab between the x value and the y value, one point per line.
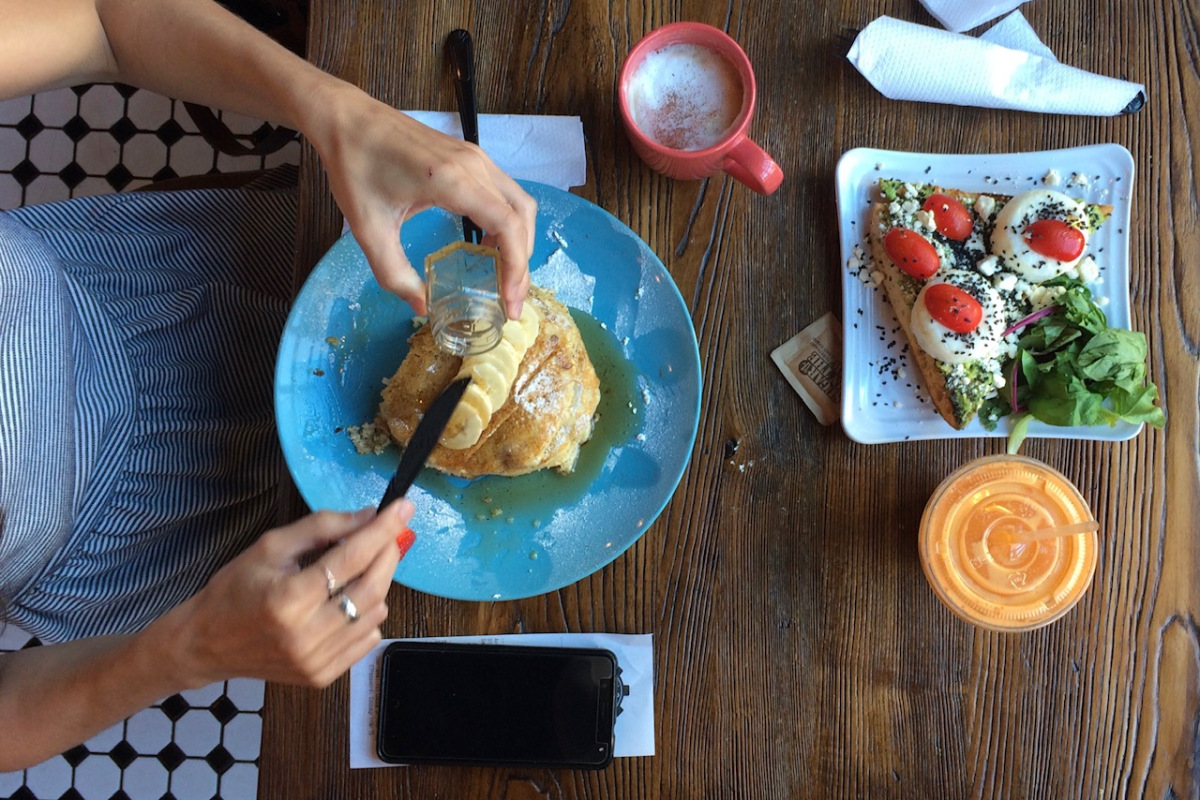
956	390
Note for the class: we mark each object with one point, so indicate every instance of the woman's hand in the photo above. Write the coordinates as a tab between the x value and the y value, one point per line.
262	616
384	166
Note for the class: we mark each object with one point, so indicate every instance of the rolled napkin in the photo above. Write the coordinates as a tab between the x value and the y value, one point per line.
1015	33
906	61
962	15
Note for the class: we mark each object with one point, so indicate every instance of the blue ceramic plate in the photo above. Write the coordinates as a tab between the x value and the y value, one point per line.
501	538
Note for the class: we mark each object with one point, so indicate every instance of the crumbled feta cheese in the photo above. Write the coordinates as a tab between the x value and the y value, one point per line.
998	379
988	266
1043	296
1101	301
1004	282
1052	178
1088	270
985	206
926	218
1078	179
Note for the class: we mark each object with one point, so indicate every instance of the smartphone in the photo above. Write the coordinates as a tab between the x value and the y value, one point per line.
505	705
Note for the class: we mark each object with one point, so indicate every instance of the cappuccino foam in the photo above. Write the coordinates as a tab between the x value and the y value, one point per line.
685	96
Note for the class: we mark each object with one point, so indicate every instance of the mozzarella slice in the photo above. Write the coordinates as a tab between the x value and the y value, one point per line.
1008	240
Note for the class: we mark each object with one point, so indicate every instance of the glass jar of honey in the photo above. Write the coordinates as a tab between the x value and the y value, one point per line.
462	294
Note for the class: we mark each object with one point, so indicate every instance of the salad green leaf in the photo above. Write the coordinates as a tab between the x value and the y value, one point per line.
1072	369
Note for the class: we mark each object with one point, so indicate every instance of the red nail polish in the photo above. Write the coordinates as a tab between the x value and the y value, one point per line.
405	540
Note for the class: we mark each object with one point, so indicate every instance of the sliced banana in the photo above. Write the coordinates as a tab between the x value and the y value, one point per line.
488	376
464	428
492	375
476	398
529	320
505	357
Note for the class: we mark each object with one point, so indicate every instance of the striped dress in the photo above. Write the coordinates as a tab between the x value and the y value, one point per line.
137	443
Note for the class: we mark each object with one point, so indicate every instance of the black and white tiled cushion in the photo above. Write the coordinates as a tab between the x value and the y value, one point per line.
198	745
103	138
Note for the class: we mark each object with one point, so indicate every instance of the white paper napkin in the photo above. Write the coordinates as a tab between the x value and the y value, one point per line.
634	728
1015	33
529	147
906	61
962	15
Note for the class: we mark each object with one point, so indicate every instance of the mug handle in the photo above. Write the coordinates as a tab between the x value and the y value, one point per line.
748	163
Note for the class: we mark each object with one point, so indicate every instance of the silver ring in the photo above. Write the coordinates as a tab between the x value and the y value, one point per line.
330	583
348	608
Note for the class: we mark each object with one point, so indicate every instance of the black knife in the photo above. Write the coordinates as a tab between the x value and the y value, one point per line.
461	54
423	440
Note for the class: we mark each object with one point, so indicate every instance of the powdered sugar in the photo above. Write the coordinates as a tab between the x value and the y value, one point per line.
570	285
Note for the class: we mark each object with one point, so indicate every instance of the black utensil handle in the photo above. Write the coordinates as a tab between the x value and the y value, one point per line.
461	53
393	492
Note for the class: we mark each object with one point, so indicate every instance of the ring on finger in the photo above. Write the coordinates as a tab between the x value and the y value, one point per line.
347	607
330	583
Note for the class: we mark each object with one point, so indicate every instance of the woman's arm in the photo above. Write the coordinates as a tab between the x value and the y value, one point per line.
383	166
260	617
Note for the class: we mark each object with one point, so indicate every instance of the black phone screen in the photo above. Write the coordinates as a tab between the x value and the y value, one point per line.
496	704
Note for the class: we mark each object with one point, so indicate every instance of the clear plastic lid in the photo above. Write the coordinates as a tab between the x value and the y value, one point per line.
1008	543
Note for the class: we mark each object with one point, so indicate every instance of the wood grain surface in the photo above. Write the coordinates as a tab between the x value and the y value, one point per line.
799	651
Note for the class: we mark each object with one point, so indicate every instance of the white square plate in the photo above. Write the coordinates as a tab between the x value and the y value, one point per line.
883	396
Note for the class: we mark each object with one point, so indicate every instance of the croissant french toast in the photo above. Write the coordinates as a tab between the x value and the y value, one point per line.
538	423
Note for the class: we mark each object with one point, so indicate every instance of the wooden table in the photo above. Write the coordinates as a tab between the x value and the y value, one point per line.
799	651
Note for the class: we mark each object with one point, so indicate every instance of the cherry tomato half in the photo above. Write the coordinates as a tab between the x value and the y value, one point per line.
950	216
911	252
954	308
1055	239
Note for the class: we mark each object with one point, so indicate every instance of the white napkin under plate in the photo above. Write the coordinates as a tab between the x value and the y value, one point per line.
528	147
962	15
906	61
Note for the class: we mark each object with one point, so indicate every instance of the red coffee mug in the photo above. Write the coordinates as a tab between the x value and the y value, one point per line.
732	151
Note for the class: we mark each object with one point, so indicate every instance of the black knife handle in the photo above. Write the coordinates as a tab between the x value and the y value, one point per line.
460	52
393	492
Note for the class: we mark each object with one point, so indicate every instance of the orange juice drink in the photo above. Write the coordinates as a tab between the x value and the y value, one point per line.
1008	543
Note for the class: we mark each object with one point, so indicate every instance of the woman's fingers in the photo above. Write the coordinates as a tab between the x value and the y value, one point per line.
477	188
314	532
354	556
343	624
379	239
346	626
